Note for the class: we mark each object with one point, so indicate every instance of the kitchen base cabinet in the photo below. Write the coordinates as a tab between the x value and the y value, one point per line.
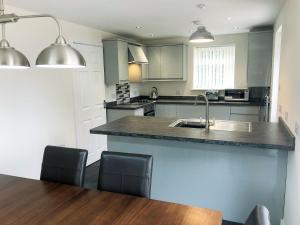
114	114
245	110
218	112
244	118
245	113
190	111
165	110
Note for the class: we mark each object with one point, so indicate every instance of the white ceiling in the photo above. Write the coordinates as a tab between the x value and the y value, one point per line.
163	18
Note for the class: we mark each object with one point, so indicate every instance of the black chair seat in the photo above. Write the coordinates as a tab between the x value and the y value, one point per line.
259	216
126	173
64	165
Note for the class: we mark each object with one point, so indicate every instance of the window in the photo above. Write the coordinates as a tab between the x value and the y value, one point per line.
214	67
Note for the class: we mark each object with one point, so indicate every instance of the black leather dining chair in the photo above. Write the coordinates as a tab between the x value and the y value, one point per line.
126	173
259	216
64	165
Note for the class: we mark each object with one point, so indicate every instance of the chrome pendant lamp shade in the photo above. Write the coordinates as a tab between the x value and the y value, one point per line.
201	35
10	58
60	55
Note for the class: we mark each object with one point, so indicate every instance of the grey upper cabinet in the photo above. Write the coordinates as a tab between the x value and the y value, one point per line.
154	66
167	62
260	58
115	61
145	67
172	62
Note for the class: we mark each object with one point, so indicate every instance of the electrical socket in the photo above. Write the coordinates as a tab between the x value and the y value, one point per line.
280	108
178	92
297	129
286	116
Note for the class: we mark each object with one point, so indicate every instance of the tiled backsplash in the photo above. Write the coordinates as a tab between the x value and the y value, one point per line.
123	93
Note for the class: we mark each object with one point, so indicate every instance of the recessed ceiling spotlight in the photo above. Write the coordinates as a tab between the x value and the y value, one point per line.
229	18
201	6
138	27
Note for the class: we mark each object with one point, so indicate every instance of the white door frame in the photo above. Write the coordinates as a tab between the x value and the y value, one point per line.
93	141
275	88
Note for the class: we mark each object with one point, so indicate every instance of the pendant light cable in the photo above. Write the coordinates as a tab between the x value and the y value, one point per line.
2	13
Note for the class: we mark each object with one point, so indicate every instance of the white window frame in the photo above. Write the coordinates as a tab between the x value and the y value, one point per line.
228	84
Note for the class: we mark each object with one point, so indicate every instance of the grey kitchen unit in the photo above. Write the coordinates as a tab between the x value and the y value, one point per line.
260	53
115	61
219	112
166	62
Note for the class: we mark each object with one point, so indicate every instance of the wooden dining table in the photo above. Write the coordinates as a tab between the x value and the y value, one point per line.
33	202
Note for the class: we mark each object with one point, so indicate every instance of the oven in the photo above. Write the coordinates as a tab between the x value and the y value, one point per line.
149	109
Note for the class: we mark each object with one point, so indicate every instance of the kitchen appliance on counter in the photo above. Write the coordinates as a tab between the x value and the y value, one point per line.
212	95
241	95
154	93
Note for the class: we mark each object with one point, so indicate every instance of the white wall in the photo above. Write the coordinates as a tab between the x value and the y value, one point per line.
37	104
289	100
185	88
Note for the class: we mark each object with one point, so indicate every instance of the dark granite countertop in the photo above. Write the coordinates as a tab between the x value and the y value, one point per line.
263	135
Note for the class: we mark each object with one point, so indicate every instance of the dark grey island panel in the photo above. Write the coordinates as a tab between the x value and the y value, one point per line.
226	170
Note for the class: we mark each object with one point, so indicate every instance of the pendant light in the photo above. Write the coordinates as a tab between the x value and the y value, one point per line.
201	35
10	58
60	54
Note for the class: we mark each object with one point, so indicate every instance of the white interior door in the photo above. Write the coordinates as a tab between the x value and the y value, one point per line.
89	96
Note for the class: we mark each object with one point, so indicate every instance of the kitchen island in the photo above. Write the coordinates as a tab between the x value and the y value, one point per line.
226	170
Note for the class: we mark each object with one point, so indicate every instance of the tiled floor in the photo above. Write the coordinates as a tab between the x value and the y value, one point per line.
91	180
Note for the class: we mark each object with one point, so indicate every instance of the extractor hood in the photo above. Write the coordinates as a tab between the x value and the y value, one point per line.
136	55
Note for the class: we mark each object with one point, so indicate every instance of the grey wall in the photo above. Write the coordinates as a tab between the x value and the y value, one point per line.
289	100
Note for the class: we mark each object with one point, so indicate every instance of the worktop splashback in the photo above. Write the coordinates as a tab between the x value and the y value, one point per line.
123	93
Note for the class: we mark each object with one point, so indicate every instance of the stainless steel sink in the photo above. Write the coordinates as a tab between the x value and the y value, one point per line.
224	125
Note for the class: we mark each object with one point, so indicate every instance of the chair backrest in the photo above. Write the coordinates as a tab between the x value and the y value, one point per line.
126	173
259	216
64	165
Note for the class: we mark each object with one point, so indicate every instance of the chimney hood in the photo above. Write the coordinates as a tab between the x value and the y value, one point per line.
136	55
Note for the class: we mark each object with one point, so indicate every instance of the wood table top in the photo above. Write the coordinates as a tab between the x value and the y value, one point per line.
33	202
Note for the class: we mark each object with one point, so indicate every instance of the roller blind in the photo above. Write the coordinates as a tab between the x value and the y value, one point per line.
214	67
